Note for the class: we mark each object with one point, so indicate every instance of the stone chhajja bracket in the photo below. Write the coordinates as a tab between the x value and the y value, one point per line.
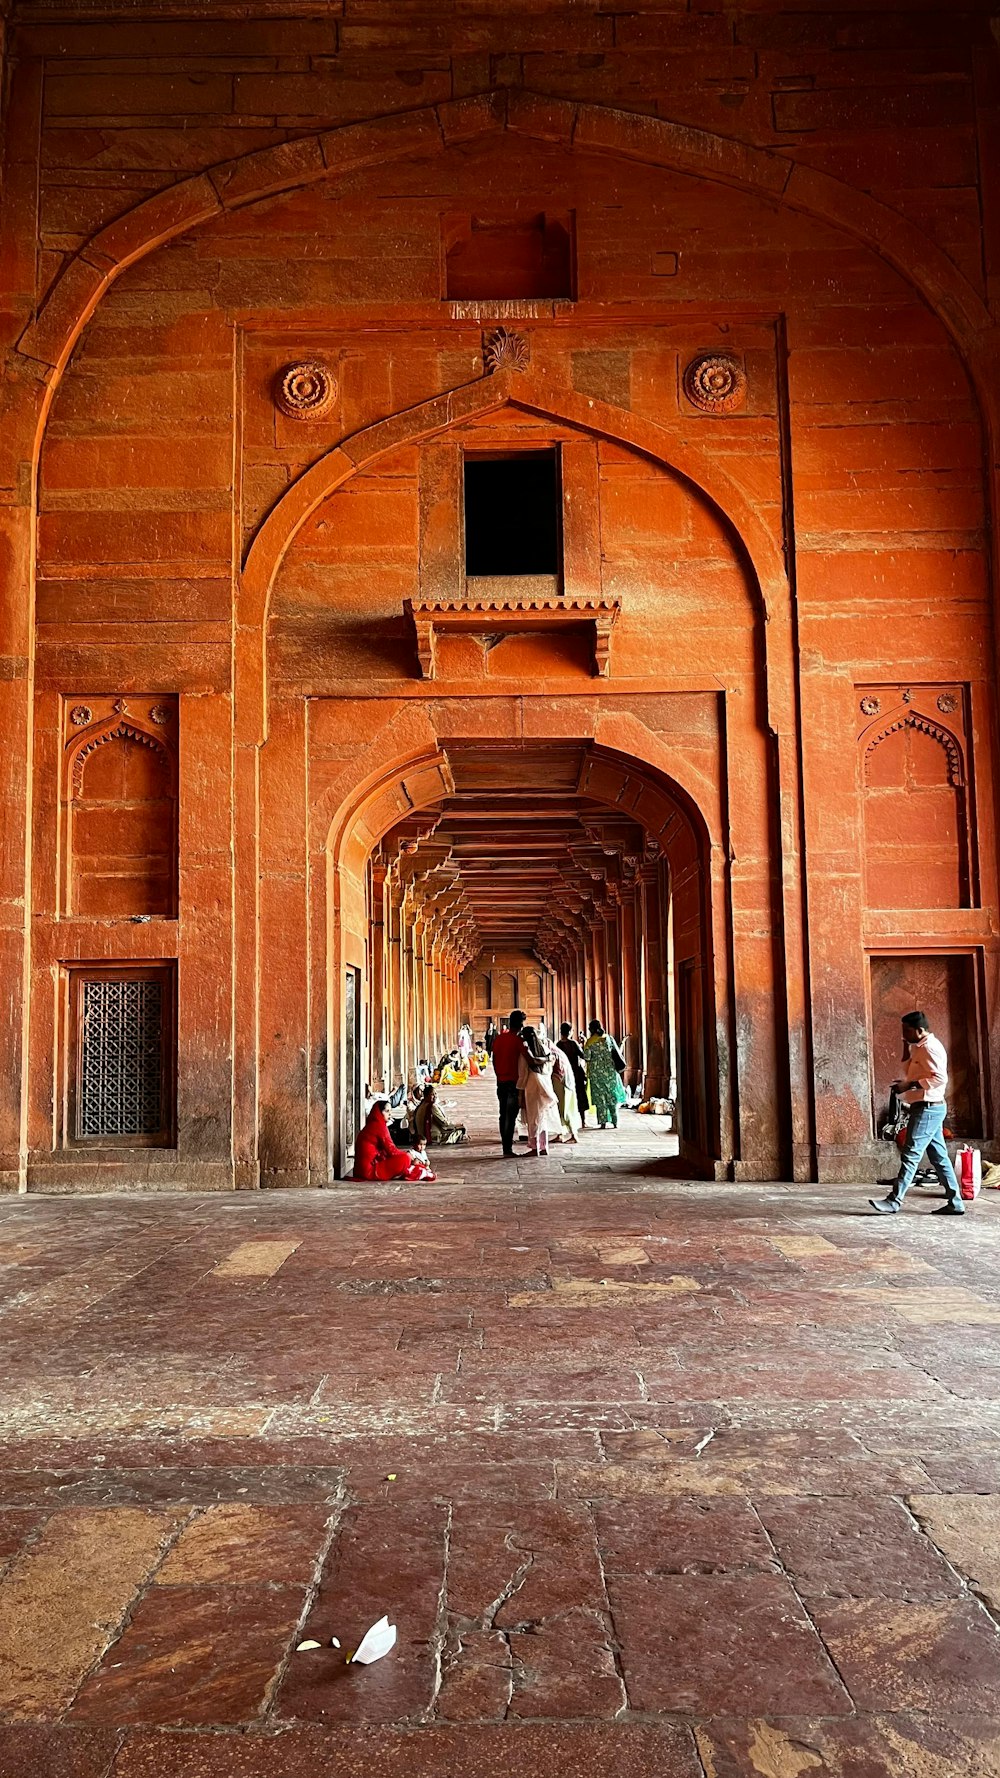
484	617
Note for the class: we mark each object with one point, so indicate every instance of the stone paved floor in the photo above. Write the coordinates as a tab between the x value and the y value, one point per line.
657	1479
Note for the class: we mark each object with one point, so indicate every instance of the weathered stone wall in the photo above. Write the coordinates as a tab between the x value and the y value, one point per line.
819	555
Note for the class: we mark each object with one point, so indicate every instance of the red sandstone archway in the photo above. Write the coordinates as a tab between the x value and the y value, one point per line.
673	821
692	462
47	343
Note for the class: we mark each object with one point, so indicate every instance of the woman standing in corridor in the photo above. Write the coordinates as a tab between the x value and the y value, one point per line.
541	1107
606	1090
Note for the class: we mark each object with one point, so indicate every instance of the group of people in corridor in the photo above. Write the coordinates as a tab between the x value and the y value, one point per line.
551	1086
551	1083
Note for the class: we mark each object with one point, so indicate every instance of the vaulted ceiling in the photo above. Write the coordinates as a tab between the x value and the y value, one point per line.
519	848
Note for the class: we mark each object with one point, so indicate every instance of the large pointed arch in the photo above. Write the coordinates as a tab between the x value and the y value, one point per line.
48	340
406	769
531	393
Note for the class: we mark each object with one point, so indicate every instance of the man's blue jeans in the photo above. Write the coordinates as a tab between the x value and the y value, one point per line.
923	1130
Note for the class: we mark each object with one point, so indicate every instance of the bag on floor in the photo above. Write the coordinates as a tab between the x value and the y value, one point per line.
970	1172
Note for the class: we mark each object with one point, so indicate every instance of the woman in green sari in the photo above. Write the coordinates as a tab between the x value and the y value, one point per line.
606	1090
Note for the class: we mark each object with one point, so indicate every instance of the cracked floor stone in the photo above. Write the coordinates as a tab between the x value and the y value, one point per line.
678	1479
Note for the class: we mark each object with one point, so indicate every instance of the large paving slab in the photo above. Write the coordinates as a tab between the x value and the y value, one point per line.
677	1479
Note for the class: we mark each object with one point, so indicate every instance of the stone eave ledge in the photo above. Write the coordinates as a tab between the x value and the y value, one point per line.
500	617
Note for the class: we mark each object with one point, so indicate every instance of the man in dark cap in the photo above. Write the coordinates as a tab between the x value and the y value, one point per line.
922	1089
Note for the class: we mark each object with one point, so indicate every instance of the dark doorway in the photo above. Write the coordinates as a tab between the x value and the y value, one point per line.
512	514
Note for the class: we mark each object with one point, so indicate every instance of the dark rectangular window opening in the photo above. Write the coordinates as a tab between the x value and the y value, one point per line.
512	514
122	1055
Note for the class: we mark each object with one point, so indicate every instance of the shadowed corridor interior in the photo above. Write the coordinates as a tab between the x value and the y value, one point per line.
558	879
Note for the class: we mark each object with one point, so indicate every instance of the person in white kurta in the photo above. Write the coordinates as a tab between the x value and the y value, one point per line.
565	1091
534	1080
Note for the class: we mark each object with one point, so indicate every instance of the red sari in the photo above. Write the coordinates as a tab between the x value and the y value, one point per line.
375	1153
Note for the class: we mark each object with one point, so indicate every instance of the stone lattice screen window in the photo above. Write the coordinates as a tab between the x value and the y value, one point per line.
523	254
120	1055
119	799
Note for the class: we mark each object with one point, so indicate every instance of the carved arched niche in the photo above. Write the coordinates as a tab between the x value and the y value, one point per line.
120	808
916	817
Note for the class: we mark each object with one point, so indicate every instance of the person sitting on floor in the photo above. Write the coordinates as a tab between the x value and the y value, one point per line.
431	1126
377	1157
450	1072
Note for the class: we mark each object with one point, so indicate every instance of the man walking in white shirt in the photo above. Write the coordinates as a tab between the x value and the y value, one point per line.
923	1089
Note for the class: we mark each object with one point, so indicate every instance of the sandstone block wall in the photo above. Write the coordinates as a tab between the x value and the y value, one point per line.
192	205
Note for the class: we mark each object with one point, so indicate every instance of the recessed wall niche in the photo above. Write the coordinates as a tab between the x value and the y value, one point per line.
914	763
521	254
946	986
118	807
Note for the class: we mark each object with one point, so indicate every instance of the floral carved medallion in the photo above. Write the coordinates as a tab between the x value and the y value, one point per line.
716	383
306	390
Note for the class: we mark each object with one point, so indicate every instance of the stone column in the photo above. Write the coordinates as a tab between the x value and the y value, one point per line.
396	979
377	1062
435	989
612	968
655	978
578	1016
419	1019
409	1005
631	986
599	934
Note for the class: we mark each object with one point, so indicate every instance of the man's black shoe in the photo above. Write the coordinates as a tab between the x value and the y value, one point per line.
885	1206
949	1209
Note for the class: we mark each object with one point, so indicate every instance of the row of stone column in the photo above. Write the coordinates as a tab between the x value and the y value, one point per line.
422	935
612	958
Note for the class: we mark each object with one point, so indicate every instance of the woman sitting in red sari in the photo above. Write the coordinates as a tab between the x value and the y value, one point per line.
377	1157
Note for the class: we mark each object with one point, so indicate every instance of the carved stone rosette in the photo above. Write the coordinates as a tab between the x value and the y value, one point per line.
716	383
306	390
504	350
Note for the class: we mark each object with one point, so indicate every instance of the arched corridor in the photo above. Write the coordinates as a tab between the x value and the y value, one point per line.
560	878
